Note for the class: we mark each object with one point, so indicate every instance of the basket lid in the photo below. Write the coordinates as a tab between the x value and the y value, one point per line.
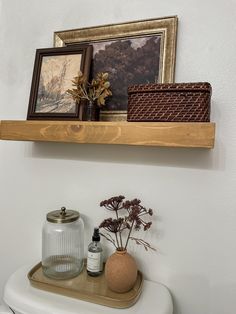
168	87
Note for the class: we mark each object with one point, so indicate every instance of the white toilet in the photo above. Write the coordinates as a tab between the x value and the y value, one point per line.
21	298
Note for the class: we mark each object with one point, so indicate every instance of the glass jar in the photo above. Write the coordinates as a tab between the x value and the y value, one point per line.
63	244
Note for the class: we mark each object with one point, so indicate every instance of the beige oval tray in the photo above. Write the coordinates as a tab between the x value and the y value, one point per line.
86	288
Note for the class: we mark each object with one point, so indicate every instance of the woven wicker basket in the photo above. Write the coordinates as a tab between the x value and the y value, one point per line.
174	102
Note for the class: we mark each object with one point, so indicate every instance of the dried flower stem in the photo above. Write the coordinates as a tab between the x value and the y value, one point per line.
130	230
108	239
132	221
144	243
121	244
117	240
98	89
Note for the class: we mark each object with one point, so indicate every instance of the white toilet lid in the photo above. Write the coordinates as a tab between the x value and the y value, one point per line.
23	298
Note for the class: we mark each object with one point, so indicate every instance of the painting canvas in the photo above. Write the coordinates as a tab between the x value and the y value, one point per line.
132	53
53	74
128	61
55	79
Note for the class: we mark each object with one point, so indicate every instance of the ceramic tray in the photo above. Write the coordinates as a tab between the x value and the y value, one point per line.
84	287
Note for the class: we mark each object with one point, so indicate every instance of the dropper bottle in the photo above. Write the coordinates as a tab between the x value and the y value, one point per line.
95	258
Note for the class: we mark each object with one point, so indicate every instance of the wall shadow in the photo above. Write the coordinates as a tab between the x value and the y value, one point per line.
198	158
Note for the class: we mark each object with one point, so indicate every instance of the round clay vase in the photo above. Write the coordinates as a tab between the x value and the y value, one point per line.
121	271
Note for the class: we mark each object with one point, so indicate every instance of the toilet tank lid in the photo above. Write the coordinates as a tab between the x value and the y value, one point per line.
25	299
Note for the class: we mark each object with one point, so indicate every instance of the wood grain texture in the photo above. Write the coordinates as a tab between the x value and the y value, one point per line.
84	287
172	134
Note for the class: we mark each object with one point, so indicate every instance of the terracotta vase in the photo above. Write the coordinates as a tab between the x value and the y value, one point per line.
121	271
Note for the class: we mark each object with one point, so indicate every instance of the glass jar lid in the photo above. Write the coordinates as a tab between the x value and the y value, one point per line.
63	216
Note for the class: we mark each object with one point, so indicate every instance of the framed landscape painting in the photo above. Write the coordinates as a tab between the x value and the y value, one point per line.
54	70
132	53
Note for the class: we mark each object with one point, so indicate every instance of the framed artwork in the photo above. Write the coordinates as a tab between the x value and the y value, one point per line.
132	53
54	68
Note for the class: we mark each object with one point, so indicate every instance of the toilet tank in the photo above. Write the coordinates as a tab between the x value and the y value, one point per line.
22	298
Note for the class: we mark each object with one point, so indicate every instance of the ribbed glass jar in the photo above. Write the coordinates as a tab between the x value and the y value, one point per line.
63	244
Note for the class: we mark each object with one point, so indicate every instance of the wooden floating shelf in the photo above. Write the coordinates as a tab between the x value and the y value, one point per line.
170	134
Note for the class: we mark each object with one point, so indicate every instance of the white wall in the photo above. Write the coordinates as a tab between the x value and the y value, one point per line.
192	190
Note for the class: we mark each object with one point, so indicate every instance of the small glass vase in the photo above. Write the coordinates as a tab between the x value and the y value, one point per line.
91	111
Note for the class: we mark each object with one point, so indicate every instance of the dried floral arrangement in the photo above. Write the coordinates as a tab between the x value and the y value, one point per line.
123	227
97	90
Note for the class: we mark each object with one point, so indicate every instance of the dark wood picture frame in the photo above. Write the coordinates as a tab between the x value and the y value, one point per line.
54	68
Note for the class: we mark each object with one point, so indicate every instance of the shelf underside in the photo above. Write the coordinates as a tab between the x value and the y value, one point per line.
171	134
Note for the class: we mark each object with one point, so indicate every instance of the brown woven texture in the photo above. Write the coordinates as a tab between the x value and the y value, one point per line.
174	102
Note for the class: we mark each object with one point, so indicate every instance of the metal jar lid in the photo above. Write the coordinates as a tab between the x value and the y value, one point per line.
63	216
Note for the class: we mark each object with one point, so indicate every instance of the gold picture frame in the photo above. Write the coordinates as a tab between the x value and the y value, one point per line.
163	28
